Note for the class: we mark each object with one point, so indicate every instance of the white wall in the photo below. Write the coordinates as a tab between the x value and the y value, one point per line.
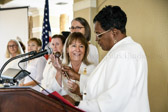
13	23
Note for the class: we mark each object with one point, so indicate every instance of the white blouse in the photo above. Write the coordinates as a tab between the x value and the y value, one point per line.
119	82
93	55
50	83
35	67
49	80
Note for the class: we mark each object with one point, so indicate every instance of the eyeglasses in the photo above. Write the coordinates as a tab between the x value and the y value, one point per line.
10	46
100	35
77	27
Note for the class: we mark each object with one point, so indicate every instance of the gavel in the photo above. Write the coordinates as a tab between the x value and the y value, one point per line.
57	54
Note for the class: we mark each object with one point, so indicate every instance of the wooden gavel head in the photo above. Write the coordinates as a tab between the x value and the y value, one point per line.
57	54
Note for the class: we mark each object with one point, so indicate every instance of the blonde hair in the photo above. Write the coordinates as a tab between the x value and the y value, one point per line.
74	37
19	51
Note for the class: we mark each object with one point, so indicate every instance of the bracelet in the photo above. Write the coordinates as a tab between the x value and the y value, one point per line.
77	103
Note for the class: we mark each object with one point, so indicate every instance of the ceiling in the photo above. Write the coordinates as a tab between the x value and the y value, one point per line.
34	3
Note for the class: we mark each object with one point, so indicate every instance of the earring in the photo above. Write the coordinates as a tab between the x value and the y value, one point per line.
115	41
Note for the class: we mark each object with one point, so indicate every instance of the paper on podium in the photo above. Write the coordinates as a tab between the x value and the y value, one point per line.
64	100
16	74
10	73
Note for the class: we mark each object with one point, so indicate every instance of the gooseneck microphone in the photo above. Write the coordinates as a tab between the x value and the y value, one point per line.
16	57
39	54
19	76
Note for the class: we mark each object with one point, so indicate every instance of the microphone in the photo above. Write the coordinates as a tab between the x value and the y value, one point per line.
29	53
39	54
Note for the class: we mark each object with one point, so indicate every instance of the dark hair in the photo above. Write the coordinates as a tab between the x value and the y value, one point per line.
86	25
74	37
112	17
65	33
61	37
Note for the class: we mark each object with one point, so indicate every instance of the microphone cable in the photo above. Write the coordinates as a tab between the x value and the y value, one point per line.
62	103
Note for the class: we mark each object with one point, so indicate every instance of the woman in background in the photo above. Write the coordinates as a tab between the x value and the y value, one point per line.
81	25
34	66
49	73
14	49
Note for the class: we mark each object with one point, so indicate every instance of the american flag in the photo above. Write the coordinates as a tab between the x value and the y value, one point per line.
46	34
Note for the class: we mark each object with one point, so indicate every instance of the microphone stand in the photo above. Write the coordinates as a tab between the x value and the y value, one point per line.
7	81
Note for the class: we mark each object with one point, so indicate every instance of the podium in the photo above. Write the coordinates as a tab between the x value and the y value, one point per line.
29	100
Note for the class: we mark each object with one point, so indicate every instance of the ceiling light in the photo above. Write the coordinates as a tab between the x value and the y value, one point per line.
61	3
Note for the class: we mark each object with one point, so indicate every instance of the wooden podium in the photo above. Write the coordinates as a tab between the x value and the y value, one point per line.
29	100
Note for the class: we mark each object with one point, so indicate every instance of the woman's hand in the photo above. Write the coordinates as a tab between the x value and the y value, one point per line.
31	83
71	73
73	87
56	62
21	84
